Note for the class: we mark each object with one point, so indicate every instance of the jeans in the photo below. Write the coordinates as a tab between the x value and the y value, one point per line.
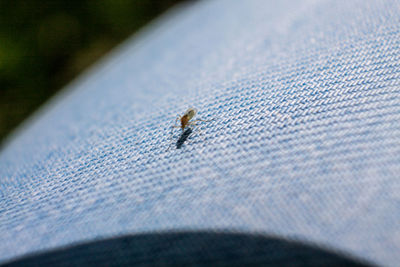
300	138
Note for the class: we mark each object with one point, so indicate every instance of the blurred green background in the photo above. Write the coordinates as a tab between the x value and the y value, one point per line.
45	44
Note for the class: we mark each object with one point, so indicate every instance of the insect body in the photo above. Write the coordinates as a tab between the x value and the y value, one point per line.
185	122
185	119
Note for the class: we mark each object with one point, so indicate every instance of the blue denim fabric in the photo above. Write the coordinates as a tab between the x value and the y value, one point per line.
304	141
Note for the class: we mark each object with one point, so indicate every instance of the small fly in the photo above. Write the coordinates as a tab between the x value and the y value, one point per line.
185	122
185	119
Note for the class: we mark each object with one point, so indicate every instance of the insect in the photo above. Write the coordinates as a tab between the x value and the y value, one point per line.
185	122
185	119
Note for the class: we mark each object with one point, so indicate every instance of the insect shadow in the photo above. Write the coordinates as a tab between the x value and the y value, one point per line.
184	136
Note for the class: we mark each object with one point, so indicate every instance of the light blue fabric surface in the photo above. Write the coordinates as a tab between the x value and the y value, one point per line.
305	141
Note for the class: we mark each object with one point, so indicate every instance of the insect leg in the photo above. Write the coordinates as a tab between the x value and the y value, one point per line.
203	120
171	133
177	118
192	123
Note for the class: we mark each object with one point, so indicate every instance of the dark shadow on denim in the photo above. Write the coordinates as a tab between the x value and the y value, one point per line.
184	136
189	249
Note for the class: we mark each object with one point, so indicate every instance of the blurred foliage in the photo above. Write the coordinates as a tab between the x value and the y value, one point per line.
46	43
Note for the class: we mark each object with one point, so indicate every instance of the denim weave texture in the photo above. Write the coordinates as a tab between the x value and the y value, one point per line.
304	141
